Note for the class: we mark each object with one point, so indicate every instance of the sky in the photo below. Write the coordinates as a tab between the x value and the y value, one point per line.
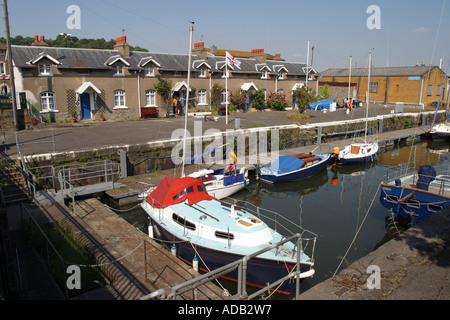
397	33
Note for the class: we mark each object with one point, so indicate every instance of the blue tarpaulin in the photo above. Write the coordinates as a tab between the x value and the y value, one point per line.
321	104
286	164
228	180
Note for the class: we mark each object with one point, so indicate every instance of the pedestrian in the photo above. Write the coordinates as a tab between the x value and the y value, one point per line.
175	100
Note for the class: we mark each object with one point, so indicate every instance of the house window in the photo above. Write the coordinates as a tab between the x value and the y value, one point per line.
373	87
177	74
149	72
264	74
118	71
45	69
2	68
202	73
281	76
223	97
202	96
438	90
225	73
150	98
430	90
47	102
119	99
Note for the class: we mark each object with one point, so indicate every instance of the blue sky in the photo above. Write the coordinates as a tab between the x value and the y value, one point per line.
336	29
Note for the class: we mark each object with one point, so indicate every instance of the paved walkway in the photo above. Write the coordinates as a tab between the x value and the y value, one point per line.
89	135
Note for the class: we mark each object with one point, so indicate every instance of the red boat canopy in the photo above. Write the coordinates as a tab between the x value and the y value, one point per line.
175	190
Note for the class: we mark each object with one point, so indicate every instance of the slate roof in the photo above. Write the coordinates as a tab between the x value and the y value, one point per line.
378	71
101	59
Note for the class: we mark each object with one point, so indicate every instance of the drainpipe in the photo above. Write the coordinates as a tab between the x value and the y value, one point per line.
139	91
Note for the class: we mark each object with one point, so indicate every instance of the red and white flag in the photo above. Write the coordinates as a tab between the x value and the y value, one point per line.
232	61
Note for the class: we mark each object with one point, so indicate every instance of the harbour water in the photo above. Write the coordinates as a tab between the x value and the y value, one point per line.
341	204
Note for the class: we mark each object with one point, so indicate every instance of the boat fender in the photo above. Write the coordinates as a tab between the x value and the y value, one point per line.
173	249
195	263
336	150
150	230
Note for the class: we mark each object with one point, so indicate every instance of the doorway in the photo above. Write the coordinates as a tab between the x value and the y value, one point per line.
85	100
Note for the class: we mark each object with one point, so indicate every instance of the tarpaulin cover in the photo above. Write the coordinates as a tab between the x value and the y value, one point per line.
426	174
169	187
229	180
321	104
286	164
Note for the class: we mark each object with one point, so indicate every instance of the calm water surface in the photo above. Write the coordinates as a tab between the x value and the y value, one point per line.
335	203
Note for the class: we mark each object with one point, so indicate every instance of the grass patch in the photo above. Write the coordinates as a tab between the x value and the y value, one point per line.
297	116
71	251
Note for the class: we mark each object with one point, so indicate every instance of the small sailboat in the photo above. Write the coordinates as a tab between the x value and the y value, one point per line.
293	167
182	214
415	196
358	151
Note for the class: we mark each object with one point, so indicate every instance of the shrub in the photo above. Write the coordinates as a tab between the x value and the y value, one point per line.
277	101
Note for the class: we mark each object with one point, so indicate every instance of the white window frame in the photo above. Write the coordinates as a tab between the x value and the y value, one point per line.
225	73
119	99
264	74
223	97
202	73
150	98
149	71
202	97
48	102
118	71
45	69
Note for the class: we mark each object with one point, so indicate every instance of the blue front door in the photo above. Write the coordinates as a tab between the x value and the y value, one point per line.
85	100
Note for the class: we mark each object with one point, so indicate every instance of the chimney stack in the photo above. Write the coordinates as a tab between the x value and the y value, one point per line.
259	55
40	42
200	50
122	46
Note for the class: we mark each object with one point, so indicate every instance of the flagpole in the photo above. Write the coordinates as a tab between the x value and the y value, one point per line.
226	90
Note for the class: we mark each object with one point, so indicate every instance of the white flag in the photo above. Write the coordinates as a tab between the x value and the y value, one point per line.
232	61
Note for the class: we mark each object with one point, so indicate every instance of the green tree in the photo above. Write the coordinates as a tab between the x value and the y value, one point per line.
216	93
303	97
259	100
325	92
164	88
238	98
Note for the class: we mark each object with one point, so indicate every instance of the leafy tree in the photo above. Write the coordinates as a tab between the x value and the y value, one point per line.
325	92
164	88
259	100
216	93
303	97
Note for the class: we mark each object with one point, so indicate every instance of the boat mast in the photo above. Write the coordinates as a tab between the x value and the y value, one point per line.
191	31
367	96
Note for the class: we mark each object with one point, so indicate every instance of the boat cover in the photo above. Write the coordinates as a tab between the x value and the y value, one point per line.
286	164
229	180
426	174
165	194
321	104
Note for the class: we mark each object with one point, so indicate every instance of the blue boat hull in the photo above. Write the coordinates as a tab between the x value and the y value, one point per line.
296	175
350	161
259	271
416	208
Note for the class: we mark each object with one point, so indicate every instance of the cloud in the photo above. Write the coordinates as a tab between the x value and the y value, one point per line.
421	30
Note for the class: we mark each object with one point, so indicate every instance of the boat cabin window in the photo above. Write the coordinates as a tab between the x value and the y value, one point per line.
182	193
224	235
182	221
201	188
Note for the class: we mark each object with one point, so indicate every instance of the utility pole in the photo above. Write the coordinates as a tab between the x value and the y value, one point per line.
10	64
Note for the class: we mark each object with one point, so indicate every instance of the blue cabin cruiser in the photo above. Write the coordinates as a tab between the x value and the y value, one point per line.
181	213
293	167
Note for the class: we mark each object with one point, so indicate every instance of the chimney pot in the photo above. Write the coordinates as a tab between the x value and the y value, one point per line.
36	38
42	39
122	39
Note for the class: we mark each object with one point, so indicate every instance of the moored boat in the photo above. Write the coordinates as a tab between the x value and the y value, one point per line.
413	197
293	167
183	214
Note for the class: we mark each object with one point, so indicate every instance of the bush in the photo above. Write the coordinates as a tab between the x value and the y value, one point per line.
238	98
258	100
277	101
303	97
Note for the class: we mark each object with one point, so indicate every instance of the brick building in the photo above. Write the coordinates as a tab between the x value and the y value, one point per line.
414	85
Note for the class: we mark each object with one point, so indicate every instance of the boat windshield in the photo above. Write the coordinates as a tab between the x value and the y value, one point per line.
182	193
